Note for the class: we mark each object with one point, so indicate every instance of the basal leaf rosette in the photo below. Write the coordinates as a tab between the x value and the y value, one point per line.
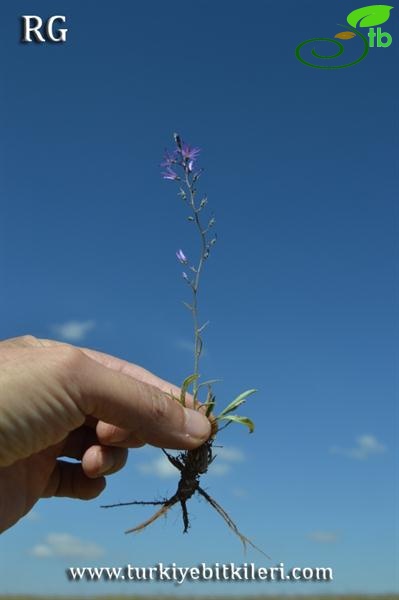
226	415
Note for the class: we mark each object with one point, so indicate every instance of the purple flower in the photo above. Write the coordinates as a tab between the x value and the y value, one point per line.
183	156
181	257
189	153
170	174
169	159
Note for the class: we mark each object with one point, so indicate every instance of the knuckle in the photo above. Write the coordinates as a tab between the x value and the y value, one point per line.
29	340
161	408
68	359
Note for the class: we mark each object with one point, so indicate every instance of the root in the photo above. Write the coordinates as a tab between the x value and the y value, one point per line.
174	460
229	521
191	465
186	522
151	502
162	511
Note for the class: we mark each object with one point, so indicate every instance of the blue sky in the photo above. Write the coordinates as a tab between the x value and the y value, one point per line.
301	172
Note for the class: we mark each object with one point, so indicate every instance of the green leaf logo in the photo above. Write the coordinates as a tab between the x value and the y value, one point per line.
368	16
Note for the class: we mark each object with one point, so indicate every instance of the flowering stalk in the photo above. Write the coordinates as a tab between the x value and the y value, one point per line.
184	158
180	166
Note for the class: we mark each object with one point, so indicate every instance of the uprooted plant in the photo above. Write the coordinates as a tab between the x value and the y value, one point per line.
181	166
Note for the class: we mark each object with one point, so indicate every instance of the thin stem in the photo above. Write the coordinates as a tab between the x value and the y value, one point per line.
195	285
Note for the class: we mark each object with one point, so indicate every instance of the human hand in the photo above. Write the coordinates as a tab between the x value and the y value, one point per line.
59	400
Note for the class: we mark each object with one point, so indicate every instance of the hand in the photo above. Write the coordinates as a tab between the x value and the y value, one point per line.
59	400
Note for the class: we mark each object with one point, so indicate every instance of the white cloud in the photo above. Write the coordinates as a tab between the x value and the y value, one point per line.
42	551
324	537
219	468
366	445
188	346
185	345
223	456
73	331
160	467
66	545
229	453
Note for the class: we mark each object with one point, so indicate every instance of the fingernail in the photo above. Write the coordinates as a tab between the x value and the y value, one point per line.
108	463
197	426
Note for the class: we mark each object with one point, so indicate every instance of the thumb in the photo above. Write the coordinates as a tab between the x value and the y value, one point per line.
143	409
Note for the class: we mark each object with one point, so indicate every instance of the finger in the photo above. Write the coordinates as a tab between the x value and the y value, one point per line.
23	341
110	434
78	441
121	400
102	460
123	366
98	433
135	371
69	480
83	438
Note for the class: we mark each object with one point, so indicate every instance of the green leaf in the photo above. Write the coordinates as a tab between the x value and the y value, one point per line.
172	396
208	383
185	385
368	16
237	402
201	329
210	400
243	420
209	407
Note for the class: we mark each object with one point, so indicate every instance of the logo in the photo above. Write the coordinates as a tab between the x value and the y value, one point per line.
367	17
